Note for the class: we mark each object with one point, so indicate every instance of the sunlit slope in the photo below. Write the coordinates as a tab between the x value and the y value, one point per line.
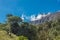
5	36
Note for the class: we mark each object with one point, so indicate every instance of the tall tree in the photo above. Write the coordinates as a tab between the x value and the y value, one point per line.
12	22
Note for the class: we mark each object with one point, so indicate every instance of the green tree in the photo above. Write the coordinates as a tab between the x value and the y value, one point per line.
12	22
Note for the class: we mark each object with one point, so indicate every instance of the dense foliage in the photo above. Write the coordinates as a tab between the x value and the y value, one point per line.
49	30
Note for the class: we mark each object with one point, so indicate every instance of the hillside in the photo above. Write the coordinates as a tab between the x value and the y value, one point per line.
51	17
15	29
5	36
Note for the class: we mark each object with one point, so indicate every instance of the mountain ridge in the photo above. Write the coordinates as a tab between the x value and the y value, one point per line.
51	17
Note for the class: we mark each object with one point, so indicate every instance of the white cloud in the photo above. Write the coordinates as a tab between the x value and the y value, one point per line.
22	17
39	16
48	13
33	17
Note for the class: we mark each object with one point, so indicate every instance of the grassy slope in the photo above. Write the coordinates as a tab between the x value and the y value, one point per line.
5	36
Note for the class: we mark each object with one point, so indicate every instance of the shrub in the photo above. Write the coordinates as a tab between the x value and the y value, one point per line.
22	38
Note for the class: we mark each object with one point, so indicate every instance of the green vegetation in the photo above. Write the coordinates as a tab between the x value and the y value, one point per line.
22	38
15	29
5	36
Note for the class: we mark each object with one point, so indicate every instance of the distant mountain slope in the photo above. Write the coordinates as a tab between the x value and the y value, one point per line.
52	16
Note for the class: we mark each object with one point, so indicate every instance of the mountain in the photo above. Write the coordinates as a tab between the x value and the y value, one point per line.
51	17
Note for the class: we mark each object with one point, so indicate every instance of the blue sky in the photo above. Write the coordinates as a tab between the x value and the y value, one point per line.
27	7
